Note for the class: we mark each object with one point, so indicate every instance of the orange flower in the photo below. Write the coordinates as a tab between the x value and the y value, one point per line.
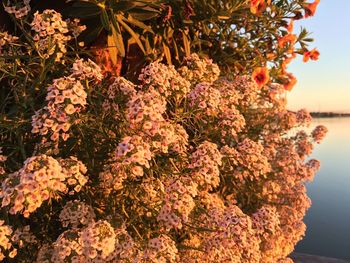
261	76
313	55
290	38
290	82
310	9
258	6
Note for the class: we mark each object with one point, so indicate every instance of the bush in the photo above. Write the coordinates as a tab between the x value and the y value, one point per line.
201	162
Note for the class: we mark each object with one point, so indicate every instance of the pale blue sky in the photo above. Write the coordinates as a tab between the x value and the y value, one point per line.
324	85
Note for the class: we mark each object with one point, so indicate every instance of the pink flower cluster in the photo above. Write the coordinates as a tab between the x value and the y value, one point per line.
20	8
179	202
145	109
94	243
7	42
86	70
160	249
5	241
144	114
247	160
197	70
3	159
51	34
205	98
165	79
204	165
233	238
76	213
125	248
319	133
41	178
129	160
66	97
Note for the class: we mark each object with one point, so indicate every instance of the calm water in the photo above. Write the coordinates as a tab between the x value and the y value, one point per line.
328	220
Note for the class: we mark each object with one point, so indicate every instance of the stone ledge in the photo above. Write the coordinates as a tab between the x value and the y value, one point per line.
304	258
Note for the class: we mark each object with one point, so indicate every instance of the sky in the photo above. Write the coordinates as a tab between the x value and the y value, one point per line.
324	85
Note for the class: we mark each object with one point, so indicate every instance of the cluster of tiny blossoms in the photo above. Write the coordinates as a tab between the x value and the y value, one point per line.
7	41
248	156
76	213
52	34
3	158
130	159
94	243
204	165
5	241
179	202
65	98
160	249
41	178
165	79
197	70
234	239
203	169
20	8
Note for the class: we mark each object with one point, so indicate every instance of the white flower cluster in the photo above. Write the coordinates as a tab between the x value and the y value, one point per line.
3	159
20	8
51	34
86	70
76	213
204	165
94	243
5	241
41	178
179	202
165	79
197	70
66	98
7	42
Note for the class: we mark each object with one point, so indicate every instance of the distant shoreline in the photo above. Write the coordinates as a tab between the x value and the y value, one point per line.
328	114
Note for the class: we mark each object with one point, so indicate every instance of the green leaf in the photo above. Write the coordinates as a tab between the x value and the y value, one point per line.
105	20
112	44
138	23
82	9
167	53
122	6
186	42
133	34
118	36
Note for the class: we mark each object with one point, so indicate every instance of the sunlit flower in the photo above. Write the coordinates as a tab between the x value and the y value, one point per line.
287	39
312	54
258	6
261	76
310	9
290	81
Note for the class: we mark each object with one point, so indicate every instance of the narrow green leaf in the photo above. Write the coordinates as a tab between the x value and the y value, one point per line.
138	23
105	20
167	53
133	34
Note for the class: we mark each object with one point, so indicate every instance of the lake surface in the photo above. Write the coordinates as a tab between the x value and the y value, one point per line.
328	219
